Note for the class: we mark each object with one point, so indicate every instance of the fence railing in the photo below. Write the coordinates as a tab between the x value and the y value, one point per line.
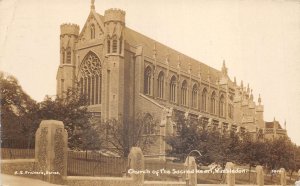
17	143
10	153
95	164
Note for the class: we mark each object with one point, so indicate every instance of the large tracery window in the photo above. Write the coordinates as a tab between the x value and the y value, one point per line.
173	89
195	96
160	83
184	93
203	100
147	80
213	103
91	78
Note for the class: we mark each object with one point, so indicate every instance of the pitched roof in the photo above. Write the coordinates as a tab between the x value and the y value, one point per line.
273	124
163	51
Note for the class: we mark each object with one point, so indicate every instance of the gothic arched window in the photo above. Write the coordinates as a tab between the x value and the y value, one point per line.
147	81
91	78
114	46
230	111
63	55
203	100
213	103
184	93
68	55
92	31
173	87
195	96
121	45
160	83
108	46
148	124
222	106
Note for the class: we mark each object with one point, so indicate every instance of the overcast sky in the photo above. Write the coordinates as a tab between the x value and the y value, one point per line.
259	40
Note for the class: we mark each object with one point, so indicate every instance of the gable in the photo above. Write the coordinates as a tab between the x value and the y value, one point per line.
96	21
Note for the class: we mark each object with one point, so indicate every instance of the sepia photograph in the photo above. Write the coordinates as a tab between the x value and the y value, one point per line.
154	93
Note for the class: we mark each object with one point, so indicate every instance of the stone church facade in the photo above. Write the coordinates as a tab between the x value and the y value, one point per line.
124	73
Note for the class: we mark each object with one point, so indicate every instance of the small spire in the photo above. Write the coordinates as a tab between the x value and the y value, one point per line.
251	95
274	119
242	84
285	124
155	51
224	68
248	88
190	67
234	80
259	99
92	4
208	75
179	61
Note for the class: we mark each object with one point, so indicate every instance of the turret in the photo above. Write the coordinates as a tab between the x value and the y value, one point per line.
115	105
114	22
65	75
68	36
260	114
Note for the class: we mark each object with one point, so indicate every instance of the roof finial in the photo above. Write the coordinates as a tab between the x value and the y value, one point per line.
155	52
224	68
259	99
248	88
285	124
92	4
251	95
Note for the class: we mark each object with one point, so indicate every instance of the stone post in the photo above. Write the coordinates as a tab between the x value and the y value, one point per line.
191	167
51	144
259	175
136	162
282	177
230	177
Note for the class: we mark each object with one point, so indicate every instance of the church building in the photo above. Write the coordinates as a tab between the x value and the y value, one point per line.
124	72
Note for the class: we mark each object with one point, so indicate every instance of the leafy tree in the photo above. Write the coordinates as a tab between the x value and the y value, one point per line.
15	108
120	136
195	135
72	110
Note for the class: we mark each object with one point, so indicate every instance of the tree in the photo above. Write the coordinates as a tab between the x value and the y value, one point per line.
72	110
120	136
214	146
16	106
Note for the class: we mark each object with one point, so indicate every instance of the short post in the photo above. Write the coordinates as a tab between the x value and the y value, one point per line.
230	177
136	162
259	175
282	177
51	145
191	168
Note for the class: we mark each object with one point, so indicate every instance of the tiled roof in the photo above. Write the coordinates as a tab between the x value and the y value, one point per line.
163	51
272	124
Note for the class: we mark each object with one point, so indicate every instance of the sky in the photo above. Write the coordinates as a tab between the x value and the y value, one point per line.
258	39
